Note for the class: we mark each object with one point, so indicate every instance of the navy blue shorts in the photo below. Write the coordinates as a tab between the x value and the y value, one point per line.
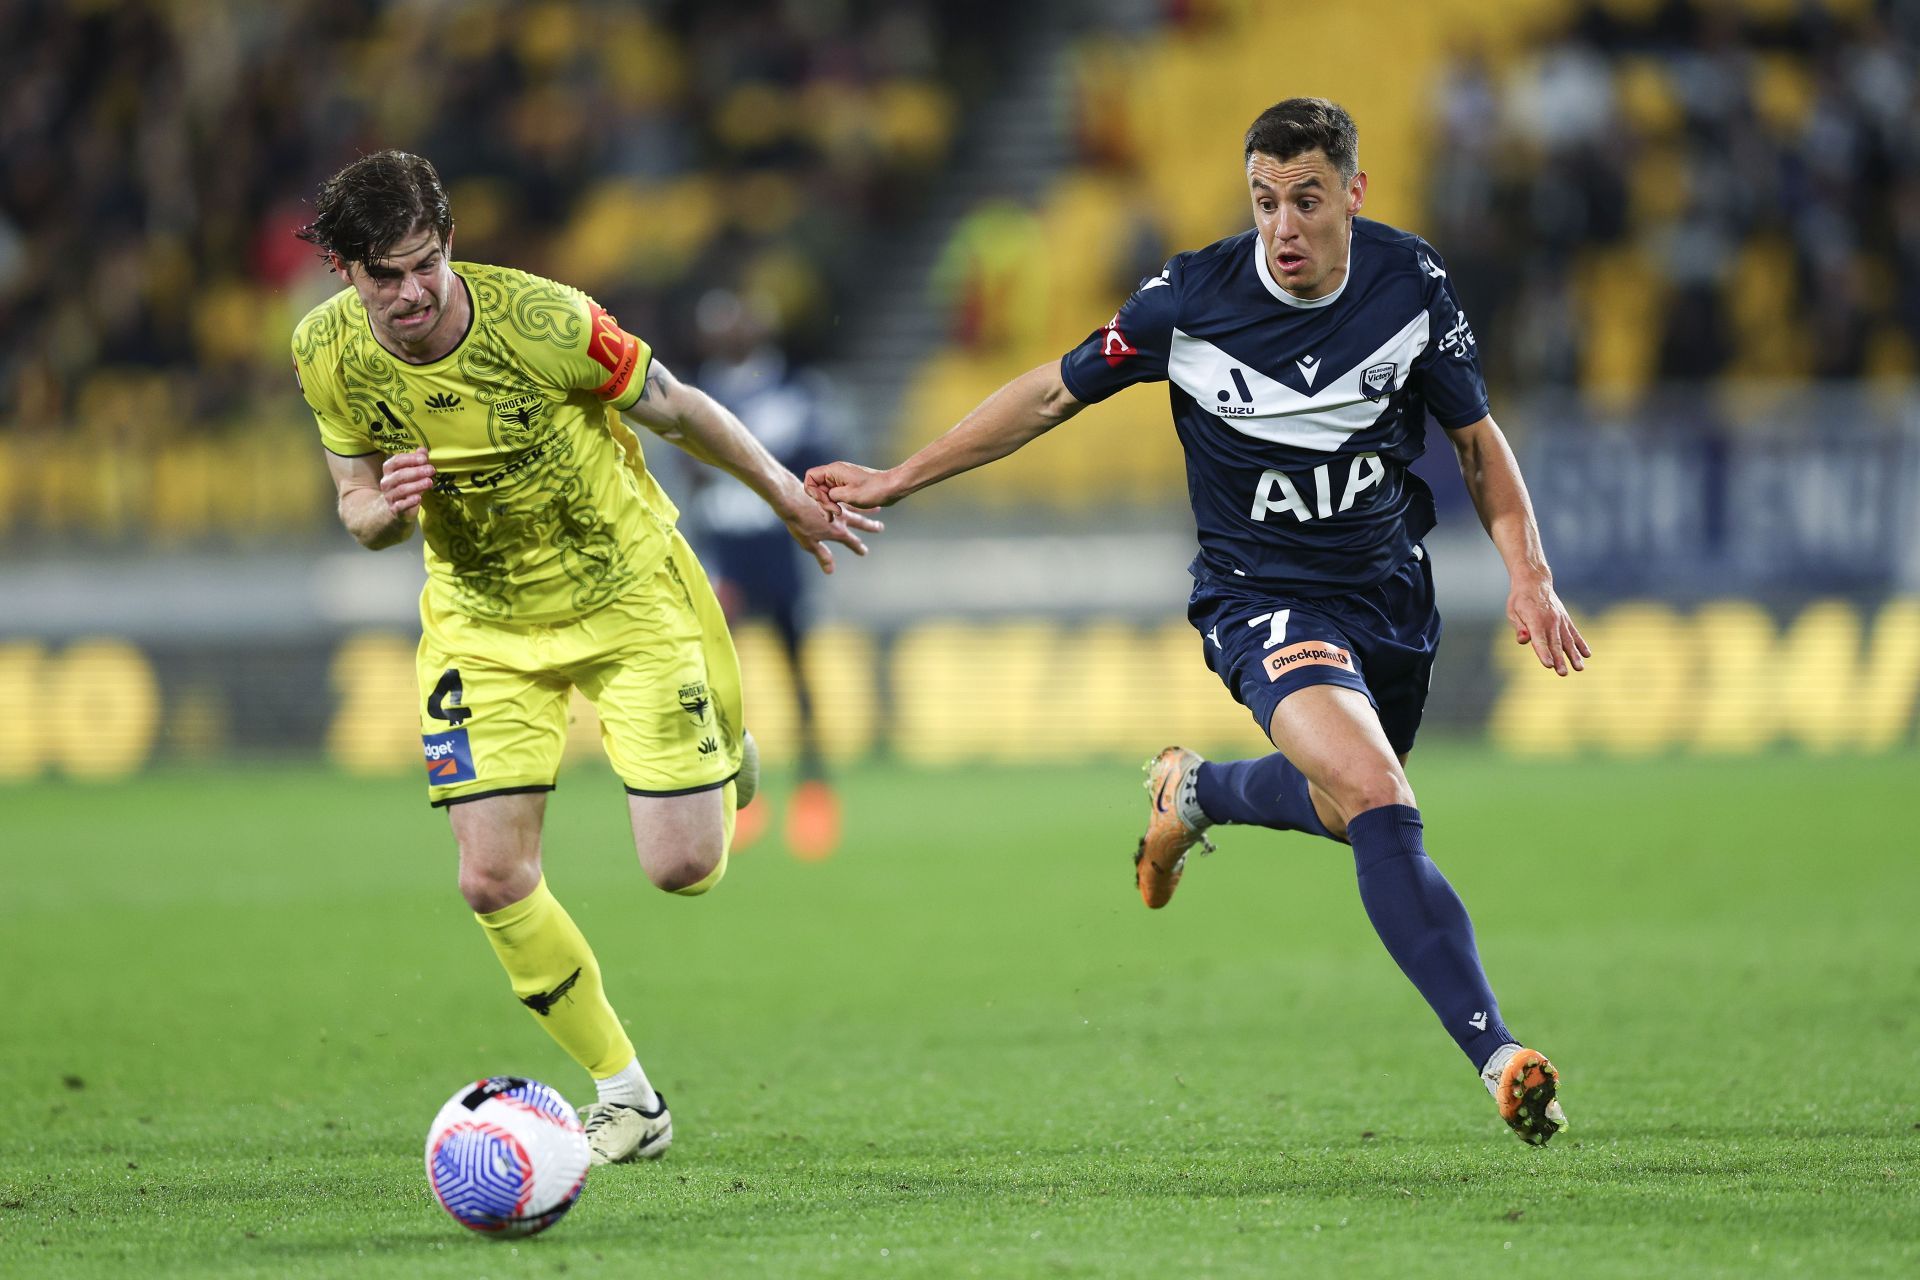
758	575
1380	641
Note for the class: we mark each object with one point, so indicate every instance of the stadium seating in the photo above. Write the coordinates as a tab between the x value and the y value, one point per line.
149	278
1570	159
1631	192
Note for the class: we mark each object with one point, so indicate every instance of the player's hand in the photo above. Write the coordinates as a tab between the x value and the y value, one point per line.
814	524
848	484
404	480
1539	619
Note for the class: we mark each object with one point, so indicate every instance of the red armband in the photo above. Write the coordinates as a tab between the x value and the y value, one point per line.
615	350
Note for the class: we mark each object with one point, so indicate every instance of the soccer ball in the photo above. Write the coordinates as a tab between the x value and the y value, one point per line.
506	1156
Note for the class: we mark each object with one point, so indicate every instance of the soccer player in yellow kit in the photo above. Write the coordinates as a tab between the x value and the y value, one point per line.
485	405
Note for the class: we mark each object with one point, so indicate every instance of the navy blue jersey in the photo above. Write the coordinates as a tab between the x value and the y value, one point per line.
1299	419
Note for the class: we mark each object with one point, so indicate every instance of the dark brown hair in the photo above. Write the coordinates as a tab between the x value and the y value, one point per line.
372	204
1299	125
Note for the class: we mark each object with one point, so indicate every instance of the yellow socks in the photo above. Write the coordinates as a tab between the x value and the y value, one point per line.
555	975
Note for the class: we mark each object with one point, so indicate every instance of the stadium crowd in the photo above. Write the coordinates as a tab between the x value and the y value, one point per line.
1629	192
1670	190
159	156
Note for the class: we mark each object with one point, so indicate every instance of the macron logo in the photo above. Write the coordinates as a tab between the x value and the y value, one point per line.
1308	367
1478	1021
1434	272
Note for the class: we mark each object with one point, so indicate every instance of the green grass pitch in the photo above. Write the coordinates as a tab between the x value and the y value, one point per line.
961	1046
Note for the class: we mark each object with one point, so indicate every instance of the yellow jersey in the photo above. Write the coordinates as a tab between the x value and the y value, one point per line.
542	508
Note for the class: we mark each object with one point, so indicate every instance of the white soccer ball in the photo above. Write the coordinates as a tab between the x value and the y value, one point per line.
507	1156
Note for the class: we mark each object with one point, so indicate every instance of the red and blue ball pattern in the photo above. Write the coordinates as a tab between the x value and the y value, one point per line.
507	1156
483	1176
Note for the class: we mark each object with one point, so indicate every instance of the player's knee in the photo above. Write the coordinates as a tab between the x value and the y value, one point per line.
490	888
706	882
690	869
1373	788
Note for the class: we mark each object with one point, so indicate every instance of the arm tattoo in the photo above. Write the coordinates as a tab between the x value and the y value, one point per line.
654	390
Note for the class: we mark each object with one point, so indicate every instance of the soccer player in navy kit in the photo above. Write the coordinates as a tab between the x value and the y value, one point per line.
1303	358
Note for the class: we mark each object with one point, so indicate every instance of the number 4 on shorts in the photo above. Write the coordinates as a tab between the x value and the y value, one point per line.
444	703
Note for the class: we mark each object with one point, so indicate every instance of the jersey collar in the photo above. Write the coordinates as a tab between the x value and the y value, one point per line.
1305	304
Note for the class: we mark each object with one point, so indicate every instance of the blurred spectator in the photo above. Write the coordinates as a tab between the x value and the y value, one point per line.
758	571
1697	190
157	155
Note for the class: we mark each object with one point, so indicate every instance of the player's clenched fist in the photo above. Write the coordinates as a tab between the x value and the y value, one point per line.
850	484
404	479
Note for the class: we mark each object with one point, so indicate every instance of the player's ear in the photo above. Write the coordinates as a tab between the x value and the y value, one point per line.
1356	193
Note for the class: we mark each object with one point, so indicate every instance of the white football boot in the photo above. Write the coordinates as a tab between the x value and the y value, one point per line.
617	1132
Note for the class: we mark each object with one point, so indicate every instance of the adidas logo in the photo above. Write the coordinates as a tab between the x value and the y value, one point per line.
441	401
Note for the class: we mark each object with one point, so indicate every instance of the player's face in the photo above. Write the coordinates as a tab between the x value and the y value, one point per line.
1304	213
408	292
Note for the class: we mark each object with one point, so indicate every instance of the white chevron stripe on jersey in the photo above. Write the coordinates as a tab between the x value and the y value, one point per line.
1259	406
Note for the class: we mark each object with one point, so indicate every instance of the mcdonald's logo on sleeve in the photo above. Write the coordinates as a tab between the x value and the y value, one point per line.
613	349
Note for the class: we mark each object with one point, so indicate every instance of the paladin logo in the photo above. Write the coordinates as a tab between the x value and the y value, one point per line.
708	746
442	401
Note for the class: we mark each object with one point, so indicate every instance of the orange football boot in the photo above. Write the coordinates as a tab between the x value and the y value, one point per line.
1527	1093
1162	855
813	821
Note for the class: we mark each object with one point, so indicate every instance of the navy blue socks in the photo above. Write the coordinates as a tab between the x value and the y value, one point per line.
1267	792
1414	910
1424	926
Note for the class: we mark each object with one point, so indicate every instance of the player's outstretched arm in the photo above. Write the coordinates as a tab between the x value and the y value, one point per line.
378	498
1500	495
686	416
1021	411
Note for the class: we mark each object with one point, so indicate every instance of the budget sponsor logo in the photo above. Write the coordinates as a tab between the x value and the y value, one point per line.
449	757
1307	653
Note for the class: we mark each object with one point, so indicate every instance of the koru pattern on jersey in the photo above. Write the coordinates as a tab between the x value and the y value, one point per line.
542	507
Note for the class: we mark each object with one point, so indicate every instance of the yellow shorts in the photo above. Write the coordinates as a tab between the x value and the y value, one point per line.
658	666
